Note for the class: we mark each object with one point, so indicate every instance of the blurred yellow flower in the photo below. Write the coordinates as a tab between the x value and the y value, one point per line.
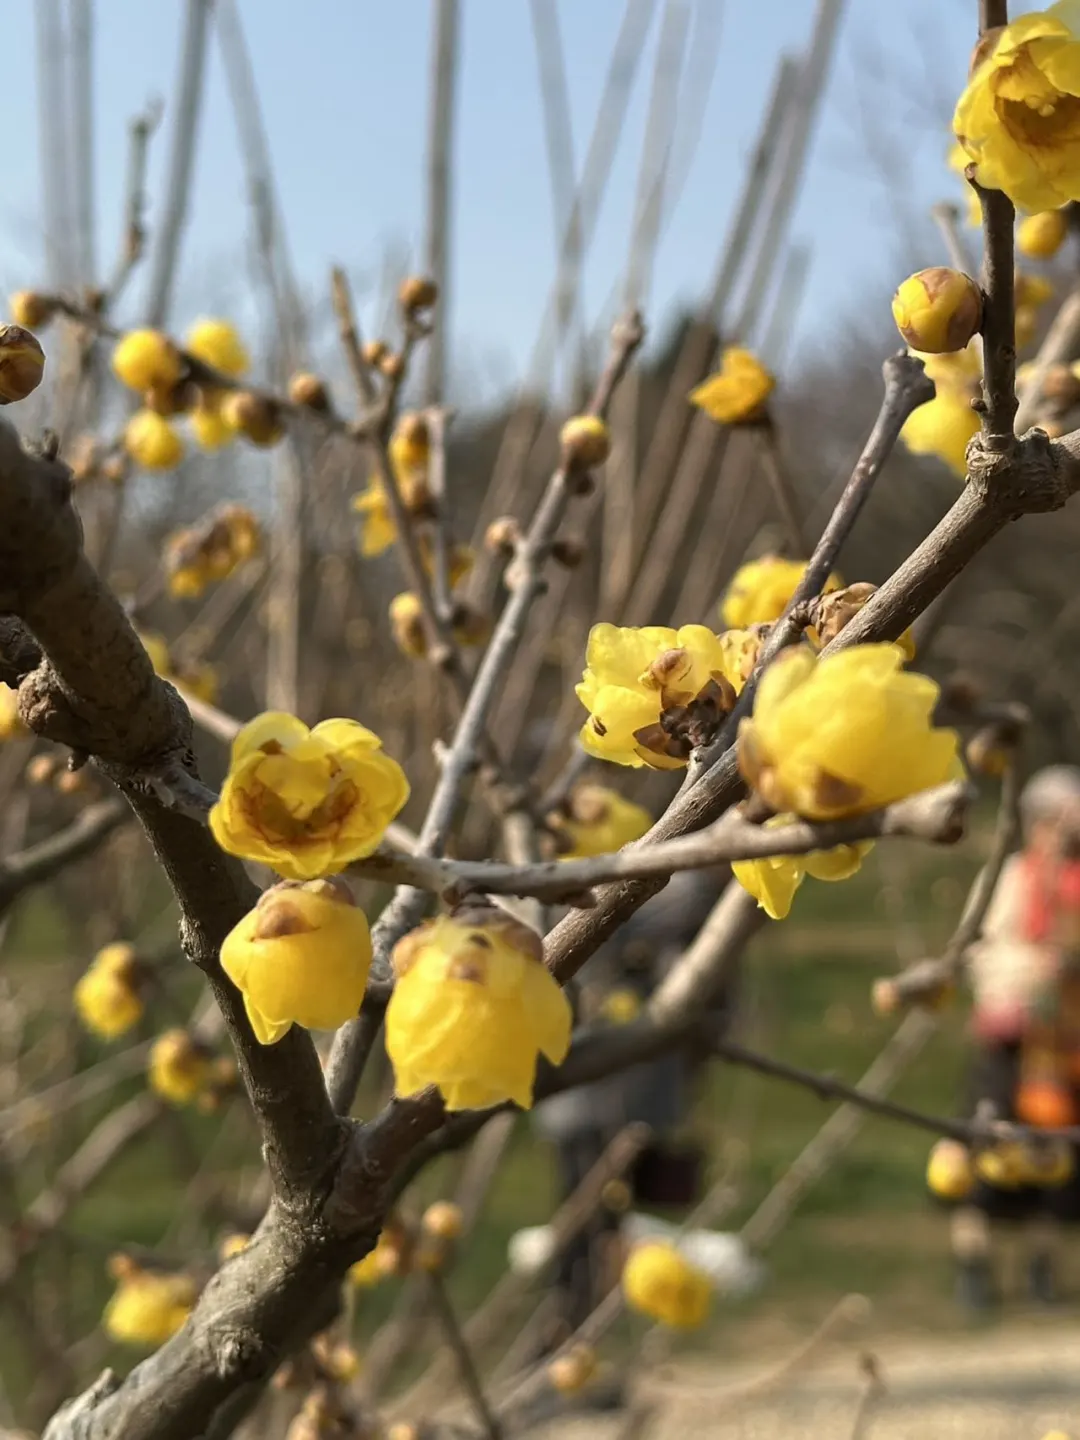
306	802
467	626
107	998
385	1260
10	724
760	590
942	427
178	1067
209	552
209	423
938	310
301	957
773	881
738	391
585	441
146	358
949	1172
636	679
1019	115
1042	235
473	1006
148	1307
596	821
659	1282
845	734
217	344
152	442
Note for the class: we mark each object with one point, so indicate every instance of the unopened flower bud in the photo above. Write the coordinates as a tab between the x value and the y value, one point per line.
571	1372
1041	236
417	292
502	536
616	1196
938	310
443	1219
22	362
392	366
31	309
885	997
568	552
254	416
407	625
308	390
373	353
586	442
169	400
42	768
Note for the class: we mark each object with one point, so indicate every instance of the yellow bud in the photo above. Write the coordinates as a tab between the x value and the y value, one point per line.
152	442
410	444
503	536
571	1371
254	416
938	310
402	1430
949	1172
32	310
407	625
209	425
443	1219
586	442
1041	236
374	352
391	365
616	1196
417	292
146	357
216	343
308	390
22	362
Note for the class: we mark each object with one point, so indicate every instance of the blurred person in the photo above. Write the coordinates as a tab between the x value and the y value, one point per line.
1025	980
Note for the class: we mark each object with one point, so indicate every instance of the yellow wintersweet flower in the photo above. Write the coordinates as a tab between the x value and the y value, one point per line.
410	445
306	802
10	724
942	427
209	423
773	880
301	957
844	734
760	590
107	997
148	1307
938	310
949	1171
738	391
152	442
144	359
209	552
178	1067
379	1264
659	1282
596	821
473	1006
217	344
377	529
1041	236
635	680
1019	115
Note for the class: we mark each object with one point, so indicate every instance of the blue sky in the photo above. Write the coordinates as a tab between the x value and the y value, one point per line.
343	82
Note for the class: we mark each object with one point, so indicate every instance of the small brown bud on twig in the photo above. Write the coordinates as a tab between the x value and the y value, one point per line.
503	536
22	363
31	309
417	292
568	552
392	366
41	769
255	416
308	390
373	353
586	442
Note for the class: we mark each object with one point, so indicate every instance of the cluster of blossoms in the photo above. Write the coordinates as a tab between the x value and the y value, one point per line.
952	1170
207	553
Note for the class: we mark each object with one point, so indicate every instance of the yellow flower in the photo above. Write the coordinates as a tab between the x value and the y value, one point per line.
845	734
659	1282
949	1172
301	957
10	724
621	1005
473	1006
306	802
598	820
938	310
209	552
378	1264
209	424
146	358
738	391
1041	236
1019	115
760	590
107	997
152	442
410	444
178	1067
377	529
958	369
216	343
148	1308
570	1372
1004	1166
942	427
773	880
637	678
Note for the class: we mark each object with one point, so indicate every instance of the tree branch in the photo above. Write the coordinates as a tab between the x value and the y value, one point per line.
40	862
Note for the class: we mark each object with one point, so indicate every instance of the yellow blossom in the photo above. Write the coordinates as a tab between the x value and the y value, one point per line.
209	424
107	997
1041	236
1018	118
938	310
659	1282
844	734
148	1307
178	1067
10	724
378	531
585	441
147	358
301	957
207	553
152	442
596	821
410	444
949	1172
773	880
383	1261
760	590
957	369
738	391
637	678
942	427
216	343
306	802
473	1006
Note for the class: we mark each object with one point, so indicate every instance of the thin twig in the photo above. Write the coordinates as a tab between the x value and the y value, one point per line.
447	1316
